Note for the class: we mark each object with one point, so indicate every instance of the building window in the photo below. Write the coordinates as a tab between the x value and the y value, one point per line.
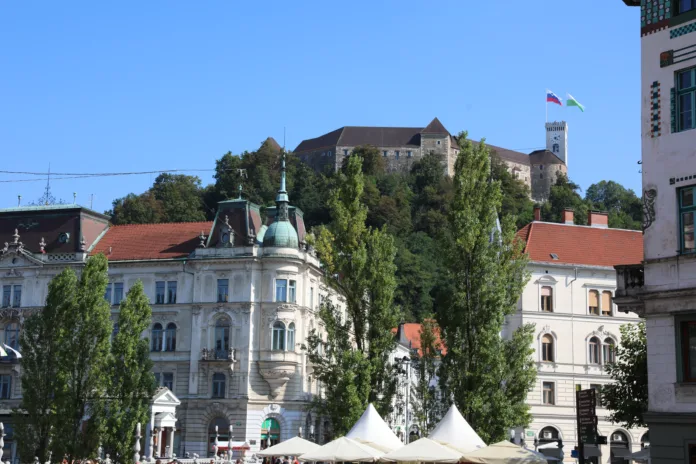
168	380
556	148
438	142
222	338
170	337
685	5
547	348
223	290
107	293
548	434
11	296
598	392
688	346
593	302
608	351
686	90
384	153
5	386
118	293
159	292
409	154
594	350
547	299
291	337
157	337
541	166
329	154
345	152
279	336
292	291
396	154
549	393
311	298
218	385
12	335
687	212
281	292
171	292
606	303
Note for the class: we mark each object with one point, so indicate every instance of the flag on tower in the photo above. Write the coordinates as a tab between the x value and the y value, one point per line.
573	102
553	98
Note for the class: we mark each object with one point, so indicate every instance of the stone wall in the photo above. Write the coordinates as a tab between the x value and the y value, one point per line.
543	176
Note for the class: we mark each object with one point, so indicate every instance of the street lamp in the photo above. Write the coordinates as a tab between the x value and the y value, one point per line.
311	433
405	362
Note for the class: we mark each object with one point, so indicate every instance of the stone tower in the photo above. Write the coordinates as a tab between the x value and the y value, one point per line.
557	139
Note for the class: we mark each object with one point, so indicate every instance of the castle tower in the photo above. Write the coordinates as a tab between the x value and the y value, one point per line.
557	139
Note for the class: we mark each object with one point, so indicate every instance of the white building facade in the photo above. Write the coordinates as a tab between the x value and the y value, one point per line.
569	299
662	286
233	301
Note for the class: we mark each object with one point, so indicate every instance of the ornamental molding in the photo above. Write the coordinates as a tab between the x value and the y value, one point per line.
649	197
14	249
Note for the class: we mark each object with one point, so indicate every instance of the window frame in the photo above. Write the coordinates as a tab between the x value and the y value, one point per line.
5	381
278	334
223	298
10	291
679	92
292	291
552	391
116	300
549	356
160	285
682	323
164	382
605	351
171	292
218	382
602	310
157	337
278	297
598	351
681	211
12	328
222	334
169	337
589	310
548	308
680	17
290	337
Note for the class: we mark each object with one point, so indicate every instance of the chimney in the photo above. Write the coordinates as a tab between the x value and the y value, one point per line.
568	215
598	219
537	213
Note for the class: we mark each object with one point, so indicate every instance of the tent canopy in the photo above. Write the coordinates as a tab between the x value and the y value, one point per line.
295	446
454	431
343	450
373	431
423	450
503	452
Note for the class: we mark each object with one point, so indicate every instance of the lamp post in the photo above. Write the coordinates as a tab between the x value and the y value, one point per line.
311	433
405	364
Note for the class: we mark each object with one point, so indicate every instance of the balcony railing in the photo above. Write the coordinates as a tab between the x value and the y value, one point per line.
218	355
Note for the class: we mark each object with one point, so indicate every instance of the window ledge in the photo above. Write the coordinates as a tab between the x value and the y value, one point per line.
685	392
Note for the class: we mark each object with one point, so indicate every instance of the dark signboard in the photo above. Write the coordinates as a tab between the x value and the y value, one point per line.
586	404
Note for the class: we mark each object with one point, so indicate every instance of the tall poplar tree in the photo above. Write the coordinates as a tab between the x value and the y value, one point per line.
427	409
38	342
81	364
359	265
131	384
486	376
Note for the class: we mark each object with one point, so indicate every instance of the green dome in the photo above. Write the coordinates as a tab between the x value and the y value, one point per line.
281	234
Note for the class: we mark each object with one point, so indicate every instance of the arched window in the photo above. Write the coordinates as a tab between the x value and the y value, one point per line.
608	351
278	336
547	348
593	302
270	432
548	434
606	303
594	350
157	337
291	337
547	299
218	385
170	337
222	338
12	335
223	433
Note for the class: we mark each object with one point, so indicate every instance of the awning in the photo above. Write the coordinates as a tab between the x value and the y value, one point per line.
617	452
592	451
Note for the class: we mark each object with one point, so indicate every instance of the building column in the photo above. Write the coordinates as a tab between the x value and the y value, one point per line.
170	441
158	450
149	439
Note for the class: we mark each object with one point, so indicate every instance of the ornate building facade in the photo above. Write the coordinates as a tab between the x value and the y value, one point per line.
232	302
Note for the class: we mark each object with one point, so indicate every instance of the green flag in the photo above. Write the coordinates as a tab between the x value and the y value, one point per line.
573	102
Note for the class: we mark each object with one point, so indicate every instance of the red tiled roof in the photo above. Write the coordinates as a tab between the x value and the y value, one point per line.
151	241
581	245
412	331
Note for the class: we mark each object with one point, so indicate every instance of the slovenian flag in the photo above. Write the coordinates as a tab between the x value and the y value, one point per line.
553	98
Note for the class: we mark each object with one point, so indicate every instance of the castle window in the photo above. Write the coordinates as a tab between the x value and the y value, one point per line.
409	154
685	5
556	148
345	152
384	153
396	154
686	94
438	142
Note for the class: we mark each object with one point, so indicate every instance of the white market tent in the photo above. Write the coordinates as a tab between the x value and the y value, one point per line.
371	430
343	450
295	446
503	452
454	431
423	450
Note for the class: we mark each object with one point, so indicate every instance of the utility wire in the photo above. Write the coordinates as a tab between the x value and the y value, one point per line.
69	175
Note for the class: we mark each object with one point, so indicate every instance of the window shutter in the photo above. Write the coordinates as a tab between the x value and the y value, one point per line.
606	301
593	298
545	291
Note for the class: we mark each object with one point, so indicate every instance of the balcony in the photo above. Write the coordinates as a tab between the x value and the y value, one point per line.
629	286
277	367
212	356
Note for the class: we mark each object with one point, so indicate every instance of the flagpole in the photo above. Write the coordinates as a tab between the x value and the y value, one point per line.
547	105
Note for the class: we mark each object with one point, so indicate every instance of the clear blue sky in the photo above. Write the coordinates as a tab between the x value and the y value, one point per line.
136	86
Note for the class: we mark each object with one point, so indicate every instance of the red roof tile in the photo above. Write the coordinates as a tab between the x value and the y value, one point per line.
581	245
412	331
151	241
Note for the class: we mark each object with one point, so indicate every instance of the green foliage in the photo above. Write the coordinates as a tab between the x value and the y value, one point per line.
627	396
39	344
427	409
131	383
359	264
515	199
417	268
483	278
373	163
624	207
564	194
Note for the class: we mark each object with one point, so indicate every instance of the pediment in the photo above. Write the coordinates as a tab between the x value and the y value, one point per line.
16	257
164	396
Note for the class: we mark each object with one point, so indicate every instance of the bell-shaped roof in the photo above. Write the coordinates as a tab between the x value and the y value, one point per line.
281	233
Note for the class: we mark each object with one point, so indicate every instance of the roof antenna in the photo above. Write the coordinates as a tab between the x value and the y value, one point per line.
74	198
47	195
19	200
283	138
91	200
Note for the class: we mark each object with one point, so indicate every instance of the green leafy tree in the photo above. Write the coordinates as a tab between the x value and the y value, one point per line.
359	264
516	201
373	163
564	194
39	345
624	207
82	358
180	197
417	269
427	408
627	396
432	195
136	209
131	383
483	278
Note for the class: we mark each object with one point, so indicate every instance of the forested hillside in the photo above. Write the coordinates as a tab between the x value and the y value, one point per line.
411	206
